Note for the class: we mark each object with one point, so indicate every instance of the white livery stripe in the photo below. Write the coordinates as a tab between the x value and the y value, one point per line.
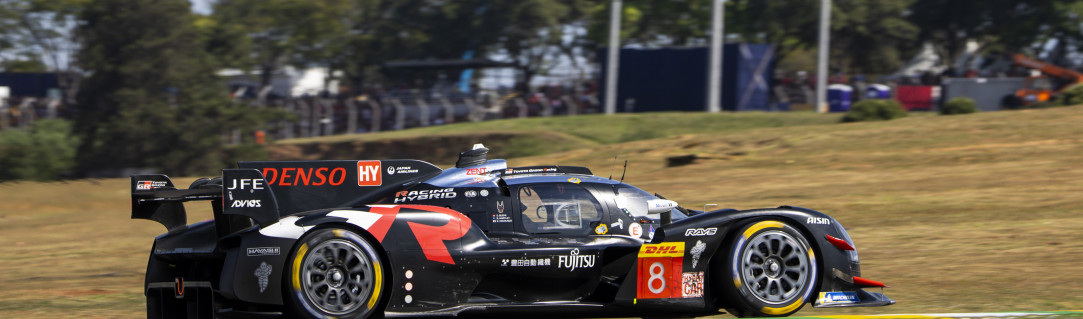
285	228
359	218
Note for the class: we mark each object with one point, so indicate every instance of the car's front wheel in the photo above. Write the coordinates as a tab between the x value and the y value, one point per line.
335	273
770	270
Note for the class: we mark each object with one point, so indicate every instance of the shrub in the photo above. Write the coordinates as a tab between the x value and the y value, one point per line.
45	151
959	105
874	110
1070	96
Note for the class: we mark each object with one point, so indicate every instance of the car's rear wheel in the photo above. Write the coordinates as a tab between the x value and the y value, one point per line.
335	273
770	270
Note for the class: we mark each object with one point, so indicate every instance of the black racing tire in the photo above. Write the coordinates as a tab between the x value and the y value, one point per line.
335	273
768	270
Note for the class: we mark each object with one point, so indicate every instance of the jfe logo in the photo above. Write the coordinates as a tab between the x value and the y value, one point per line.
368	173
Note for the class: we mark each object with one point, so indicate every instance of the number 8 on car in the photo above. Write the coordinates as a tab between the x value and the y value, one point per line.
659	272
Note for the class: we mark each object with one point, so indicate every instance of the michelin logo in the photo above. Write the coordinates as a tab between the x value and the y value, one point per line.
834	298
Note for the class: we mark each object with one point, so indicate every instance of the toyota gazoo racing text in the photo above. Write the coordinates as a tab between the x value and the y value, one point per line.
400	238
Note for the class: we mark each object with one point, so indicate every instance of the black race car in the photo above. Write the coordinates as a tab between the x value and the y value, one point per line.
404	238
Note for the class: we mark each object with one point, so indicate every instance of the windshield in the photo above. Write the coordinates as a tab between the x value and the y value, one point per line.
634	200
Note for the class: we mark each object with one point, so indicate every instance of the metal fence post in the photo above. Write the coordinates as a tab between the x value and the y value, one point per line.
377	115
286	127
351	117
424	109
3	114
306	117
400	114
449	110
573	108
522	106
476	113
547	108
26	112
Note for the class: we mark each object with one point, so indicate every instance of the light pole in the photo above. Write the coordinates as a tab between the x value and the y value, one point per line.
714	82
822	49
614	58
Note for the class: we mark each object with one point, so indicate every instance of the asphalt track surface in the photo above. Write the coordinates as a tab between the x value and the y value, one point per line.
990	315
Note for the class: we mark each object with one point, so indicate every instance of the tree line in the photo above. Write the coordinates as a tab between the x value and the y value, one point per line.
140	74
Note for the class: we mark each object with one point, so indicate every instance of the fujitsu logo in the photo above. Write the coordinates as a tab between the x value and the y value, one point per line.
575	260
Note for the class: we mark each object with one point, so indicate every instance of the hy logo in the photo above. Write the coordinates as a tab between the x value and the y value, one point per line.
368	173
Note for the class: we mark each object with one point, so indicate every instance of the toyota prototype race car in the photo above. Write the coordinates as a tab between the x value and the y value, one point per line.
404	238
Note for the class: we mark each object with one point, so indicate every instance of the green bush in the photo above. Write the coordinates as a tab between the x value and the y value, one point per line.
874	110
1070	96
45	151
958	105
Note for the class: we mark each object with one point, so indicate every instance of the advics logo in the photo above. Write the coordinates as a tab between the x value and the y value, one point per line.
369	174
249	203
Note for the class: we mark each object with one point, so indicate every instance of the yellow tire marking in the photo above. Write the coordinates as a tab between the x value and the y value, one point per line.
377	287
297	266
782	310
761	225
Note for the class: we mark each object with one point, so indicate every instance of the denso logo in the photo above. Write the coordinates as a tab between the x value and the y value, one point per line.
818	221
299	176
249	203
701	231
369	174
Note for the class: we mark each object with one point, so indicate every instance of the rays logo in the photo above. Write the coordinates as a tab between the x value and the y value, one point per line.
701	231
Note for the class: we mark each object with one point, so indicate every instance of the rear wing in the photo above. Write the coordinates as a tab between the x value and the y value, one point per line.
263	192
245	194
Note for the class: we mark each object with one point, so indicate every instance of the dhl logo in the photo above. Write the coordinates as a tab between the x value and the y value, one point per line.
675	249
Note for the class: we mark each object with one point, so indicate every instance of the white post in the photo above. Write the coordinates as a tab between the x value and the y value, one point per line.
822	50
714	82
351	116
613	62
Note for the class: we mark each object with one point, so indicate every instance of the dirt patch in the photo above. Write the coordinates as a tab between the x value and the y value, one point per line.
78	292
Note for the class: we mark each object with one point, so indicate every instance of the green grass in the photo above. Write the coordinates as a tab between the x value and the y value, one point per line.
964	213
606	129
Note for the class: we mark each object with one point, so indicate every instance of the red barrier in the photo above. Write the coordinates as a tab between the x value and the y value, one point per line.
915	97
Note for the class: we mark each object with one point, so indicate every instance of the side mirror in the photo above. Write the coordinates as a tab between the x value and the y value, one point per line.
658	206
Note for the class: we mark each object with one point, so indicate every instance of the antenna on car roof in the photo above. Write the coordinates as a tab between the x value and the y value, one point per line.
611	169
624	171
